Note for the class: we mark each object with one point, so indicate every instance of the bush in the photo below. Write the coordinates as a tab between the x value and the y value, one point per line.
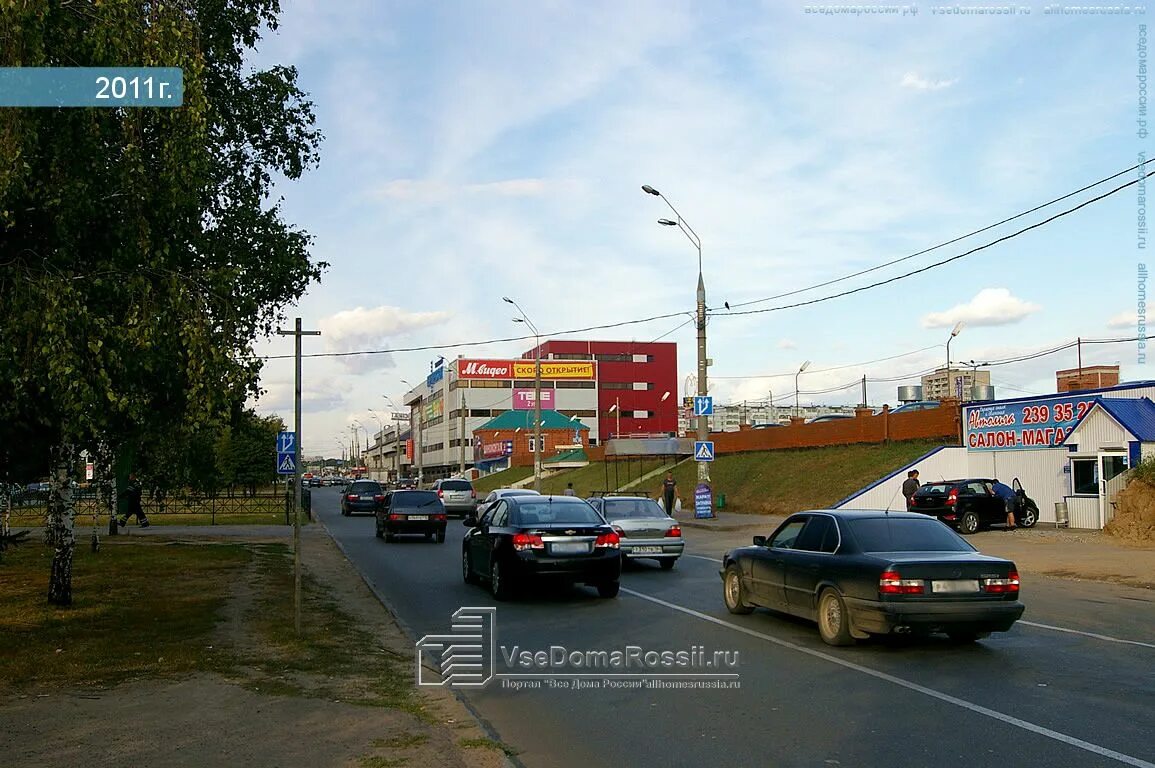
1145	471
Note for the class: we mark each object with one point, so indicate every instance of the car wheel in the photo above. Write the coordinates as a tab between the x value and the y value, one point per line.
1029	517
344	512
833	620
966	635
733	592
969	523
467	567
499	581
439	537
609	589
668	563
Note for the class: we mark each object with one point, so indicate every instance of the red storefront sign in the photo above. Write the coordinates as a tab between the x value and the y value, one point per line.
485	369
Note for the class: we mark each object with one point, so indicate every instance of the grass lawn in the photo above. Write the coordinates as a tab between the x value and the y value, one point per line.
606	476
501	479
783	482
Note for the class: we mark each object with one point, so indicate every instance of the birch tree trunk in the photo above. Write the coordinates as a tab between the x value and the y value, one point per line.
61	525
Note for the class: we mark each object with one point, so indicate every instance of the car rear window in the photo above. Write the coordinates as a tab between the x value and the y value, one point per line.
930	488
575	512
456	485
412	498
365	487
905	534
618	509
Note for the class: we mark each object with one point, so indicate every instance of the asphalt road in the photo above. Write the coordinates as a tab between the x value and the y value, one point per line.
1071	685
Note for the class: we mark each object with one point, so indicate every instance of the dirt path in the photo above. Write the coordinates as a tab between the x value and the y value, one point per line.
212	719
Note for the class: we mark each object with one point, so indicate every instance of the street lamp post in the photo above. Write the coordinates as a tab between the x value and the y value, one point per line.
958	327
797	402
416	437
379	442
536	391
665	397
692	236
616	408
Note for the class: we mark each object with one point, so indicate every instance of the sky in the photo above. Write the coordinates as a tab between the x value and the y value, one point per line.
475	150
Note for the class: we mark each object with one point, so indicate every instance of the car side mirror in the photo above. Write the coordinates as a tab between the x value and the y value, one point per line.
759	541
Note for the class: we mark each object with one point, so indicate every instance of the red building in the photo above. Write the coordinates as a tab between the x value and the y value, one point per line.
637	383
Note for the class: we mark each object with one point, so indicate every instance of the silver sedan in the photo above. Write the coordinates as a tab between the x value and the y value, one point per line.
500	493
646	531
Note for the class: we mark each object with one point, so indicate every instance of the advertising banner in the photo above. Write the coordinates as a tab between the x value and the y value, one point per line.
525	369
500	448
703	501
1026	424
523	399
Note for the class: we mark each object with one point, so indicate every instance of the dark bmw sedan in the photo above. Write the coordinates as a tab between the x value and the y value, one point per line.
859	574
411	513
365	496
526	538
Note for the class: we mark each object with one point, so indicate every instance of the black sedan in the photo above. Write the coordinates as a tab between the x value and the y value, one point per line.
411	512
859	574
362	496
521	538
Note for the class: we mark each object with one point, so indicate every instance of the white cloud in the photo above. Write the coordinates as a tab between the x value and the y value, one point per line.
360	329
920	83
427	190
787	344
990	306
1127	320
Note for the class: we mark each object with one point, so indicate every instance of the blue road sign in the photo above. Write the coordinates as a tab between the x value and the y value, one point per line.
286	443
704	450
286	464
704	406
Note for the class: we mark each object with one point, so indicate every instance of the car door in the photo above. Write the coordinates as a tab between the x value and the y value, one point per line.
768	566
985	502
808	562
484	538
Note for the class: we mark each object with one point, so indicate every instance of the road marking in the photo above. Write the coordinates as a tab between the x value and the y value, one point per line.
1104	638
976	708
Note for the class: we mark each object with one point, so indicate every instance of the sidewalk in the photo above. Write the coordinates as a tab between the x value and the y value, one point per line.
1043	550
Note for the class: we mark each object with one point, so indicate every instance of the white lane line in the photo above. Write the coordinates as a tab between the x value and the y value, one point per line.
946	697
1093	635
1105	638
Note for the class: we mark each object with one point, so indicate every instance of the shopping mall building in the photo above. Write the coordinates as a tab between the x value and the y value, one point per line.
601	388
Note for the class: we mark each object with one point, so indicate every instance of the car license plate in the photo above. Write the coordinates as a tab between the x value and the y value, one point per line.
419	517
646	550
955	587
569	548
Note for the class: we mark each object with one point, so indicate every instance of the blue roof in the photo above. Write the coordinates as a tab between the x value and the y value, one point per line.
1136	415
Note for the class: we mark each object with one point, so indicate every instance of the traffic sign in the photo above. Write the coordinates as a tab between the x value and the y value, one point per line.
286	442
704	405
286	464
704	450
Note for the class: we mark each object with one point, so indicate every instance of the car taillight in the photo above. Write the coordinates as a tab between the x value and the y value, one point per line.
396	517
891	583
440	493
472	494
523	541
439	518
913	501
950	517
674	530
952	499
1001	586
610	540
352	497
379	497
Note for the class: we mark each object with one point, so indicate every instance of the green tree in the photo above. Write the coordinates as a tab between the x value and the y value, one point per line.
140	252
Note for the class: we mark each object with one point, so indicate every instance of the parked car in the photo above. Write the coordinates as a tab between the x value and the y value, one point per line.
525	538
411	512
362	496
859	574
918	405
970	505
501	493
645	530
457	495
830	417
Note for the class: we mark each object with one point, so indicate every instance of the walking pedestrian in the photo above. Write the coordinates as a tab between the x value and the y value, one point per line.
669	493
131	496
910	486
569	491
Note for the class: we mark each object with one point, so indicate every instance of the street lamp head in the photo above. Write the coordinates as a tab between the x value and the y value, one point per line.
958	327
507	300
650	190
667	223
665	397
613	407
804	366
518	320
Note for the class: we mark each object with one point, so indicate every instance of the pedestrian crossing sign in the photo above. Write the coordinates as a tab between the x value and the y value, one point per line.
286	464
704	450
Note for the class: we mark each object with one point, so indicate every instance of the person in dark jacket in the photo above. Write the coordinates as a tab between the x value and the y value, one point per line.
669	493
1010	500
910	485
131	495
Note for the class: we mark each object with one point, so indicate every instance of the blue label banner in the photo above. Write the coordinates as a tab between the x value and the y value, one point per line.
91	87
1028	424
703	501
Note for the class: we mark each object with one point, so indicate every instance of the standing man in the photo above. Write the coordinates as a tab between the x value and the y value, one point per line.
1010	500
669	493
910	485
569	491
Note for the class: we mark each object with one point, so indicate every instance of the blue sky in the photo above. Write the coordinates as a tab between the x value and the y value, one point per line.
475	150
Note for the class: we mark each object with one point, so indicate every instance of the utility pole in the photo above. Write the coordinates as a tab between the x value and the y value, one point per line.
864	390
298	492
461	437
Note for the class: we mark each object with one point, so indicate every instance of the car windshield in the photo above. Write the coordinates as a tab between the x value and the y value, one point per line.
906	534
455	485
550	511
363	487
412	498
621	509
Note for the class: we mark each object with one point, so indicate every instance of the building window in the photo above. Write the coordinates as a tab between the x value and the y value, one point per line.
1085	477
481	412
642	414
531	383
614	358
533	444
491	383
617	385
643	386
643	358
571	356
577	384
580	414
